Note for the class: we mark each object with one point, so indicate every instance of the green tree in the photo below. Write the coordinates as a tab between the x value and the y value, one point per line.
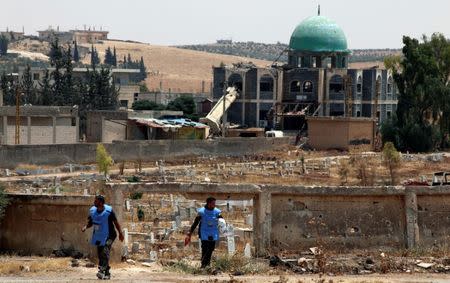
3	202
109	57
142	70
3	45
147	105
27	86
114	57
9	96
95	60
57	61
422	78
76	54
104	160
391	158
46	94
182	103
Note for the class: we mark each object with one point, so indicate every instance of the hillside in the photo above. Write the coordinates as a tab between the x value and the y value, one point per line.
181	70
272	52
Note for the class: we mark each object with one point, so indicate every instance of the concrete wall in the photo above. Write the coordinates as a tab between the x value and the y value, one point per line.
285	218
340	133
296	218
11	156
42	224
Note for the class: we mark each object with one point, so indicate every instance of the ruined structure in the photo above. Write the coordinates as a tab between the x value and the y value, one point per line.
80	36
316	81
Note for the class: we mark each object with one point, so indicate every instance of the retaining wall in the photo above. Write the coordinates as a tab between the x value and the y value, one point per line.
11	156
285	218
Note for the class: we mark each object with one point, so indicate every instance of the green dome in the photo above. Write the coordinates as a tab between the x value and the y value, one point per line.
318	34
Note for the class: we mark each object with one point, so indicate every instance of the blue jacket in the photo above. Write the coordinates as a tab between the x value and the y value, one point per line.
100	225
209	225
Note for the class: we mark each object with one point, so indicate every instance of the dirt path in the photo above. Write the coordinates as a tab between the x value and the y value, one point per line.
137	274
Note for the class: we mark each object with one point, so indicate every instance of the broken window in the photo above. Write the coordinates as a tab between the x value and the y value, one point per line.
359	85
389	85
336	84
35	76
295	86
266	83
236	81
307	86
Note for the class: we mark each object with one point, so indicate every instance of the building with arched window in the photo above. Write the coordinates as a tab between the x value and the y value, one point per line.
316	81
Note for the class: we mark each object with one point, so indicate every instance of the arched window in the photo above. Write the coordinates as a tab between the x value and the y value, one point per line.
336	84
379	83
344	62
308	87
266	83
295	86
236	81
389	85
359	85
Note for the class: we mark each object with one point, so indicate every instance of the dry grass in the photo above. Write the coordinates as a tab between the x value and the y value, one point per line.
181	70
12	265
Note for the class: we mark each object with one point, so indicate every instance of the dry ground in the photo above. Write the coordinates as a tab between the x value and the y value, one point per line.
38	269
181	70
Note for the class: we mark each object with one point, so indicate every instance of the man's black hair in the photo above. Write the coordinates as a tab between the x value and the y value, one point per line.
100	198
210	199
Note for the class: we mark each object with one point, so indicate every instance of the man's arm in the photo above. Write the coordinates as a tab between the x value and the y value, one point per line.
117	225
194	225
88	225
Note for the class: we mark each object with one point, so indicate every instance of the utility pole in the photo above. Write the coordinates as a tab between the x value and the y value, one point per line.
17	134
377	95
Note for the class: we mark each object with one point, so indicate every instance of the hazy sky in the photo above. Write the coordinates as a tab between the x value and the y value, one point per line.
367	24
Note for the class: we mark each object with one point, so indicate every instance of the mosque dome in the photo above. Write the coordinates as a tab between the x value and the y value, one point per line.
318	34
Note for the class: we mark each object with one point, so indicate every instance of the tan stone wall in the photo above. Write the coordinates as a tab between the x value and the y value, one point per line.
339	133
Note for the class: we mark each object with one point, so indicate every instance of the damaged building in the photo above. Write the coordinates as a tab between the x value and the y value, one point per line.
316	81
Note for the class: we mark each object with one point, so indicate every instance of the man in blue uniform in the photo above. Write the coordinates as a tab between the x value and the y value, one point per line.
103	219
208	231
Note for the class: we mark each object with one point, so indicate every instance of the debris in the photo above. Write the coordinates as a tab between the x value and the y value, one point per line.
25	268
425	265
90	264
130	261
147	264
315	250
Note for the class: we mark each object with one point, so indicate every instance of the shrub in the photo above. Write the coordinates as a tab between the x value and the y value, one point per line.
391	159
104	160
136	195
3	202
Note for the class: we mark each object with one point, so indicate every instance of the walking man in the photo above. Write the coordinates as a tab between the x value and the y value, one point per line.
208	231
104	221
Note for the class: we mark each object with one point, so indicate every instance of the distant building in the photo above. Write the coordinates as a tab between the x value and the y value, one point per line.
89	36
40	125
123	78
80	36
12	35
51	34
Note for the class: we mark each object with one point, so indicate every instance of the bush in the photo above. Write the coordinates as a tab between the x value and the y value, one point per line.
104	160
140	214
147	105
134	179
391	158
3	202
136	195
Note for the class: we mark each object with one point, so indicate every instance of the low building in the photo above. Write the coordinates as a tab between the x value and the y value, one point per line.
341	132
173	129
89	36
39	125
203	101
51	34
12	35
107	126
